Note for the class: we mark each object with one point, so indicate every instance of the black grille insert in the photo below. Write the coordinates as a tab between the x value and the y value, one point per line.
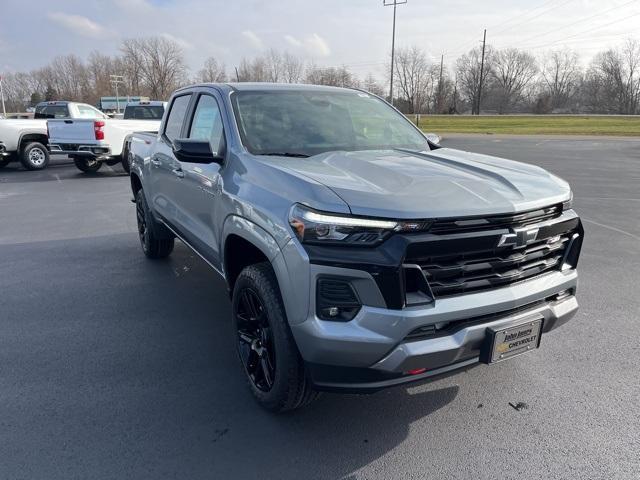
513	220
467	272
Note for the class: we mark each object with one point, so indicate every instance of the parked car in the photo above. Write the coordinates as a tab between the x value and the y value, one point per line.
90	143
359	255
26	139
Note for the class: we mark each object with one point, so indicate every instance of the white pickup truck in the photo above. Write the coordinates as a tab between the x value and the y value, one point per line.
26	139
92	142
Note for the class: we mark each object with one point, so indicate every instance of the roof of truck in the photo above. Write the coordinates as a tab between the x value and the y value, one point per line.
266	87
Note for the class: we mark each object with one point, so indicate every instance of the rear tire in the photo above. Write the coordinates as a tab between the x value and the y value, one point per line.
87	166
155	239
268	353
34	156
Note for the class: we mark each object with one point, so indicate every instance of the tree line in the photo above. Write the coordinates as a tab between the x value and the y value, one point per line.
508	80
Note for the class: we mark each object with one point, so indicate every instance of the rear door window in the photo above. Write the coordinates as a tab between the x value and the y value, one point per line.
173	128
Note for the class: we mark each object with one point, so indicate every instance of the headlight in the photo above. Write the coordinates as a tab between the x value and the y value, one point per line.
311	226
568	205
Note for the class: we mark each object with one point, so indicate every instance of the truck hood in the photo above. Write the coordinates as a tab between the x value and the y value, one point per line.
431	184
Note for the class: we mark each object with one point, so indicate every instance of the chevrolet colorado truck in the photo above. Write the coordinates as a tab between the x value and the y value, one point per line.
358	255
26	139
90	143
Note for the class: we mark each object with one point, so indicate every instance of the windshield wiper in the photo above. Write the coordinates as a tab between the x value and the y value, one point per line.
286	154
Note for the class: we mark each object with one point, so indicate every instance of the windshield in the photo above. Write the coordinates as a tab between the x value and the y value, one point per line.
301	123
144	112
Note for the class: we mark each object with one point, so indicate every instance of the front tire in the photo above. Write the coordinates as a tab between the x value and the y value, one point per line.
156	241
268	354
35	156
87	166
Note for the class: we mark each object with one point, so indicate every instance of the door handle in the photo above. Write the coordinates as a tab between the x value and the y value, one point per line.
155	162
178	172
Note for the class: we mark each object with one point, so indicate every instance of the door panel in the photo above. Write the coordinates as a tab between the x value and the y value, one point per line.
165	183
198	202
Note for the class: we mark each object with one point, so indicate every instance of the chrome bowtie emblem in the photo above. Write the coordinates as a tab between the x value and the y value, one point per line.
520	237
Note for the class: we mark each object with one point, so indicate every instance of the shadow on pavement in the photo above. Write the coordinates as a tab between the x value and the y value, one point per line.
114	366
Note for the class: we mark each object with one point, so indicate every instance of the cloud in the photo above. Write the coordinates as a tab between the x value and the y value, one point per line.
181	42
78	24
313	45
293	41
316	45
254	39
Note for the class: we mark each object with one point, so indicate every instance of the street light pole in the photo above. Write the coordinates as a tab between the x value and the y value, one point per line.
4	110
115	81
395	3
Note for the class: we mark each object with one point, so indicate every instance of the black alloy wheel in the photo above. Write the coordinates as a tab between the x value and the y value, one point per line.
255	340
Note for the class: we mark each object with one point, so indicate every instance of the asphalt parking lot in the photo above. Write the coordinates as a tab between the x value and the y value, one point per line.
112	366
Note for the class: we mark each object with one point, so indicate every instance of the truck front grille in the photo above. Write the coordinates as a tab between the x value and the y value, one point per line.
462	260
471	271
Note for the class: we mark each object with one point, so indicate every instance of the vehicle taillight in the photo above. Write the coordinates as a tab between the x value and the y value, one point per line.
97	128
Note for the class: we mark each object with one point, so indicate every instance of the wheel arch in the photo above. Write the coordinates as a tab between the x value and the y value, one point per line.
28	137
245	243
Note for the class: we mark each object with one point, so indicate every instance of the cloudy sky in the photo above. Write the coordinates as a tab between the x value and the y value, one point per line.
355	33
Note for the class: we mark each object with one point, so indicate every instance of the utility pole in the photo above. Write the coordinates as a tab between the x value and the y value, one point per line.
439	106
387	3
115	81
4	110
484	42
237	76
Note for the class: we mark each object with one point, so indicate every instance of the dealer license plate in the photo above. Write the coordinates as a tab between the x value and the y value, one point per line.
511	341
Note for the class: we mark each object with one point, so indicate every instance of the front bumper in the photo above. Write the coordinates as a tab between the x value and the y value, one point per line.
372	351
3	150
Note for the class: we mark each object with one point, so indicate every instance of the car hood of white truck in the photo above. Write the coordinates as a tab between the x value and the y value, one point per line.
430	184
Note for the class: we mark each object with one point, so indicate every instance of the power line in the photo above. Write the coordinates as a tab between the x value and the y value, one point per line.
526	12
576	22
584	31
557	5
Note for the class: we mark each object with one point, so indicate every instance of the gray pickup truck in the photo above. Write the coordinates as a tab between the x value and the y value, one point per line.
358	254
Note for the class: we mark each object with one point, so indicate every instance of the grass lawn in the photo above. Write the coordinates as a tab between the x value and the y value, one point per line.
531	124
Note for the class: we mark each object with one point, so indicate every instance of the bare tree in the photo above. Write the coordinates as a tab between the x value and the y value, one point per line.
512	71
560	75
155	64
274	66
253	70
468	68
333	76
212	71
416	79
293	68
618	73
370	84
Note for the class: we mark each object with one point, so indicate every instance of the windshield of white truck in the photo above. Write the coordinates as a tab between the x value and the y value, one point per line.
304	123
144	112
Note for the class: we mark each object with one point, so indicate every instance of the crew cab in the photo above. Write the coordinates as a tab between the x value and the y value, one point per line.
26	139
358	254
92	142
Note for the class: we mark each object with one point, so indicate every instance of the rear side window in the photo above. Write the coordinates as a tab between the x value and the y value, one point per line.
173	128
207	123
85	111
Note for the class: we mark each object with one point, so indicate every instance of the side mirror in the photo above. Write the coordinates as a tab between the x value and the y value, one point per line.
195	151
